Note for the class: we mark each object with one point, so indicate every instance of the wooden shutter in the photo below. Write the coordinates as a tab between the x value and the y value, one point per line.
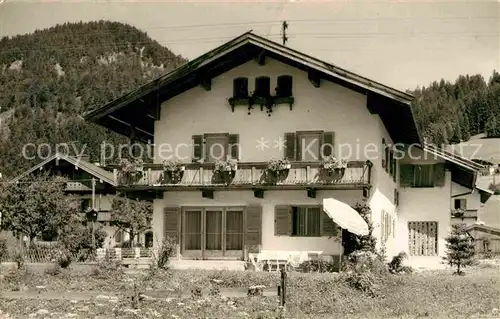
284	86
384	146
390	163
282	220
329	227
395	169
253	229
262	86
233	146
439	175
386	151
327	148
171	222
240	88
197	147
290	146
406	175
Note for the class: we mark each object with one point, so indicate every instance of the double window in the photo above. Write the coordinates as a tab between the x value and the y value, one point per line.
212	147
303	221
309	145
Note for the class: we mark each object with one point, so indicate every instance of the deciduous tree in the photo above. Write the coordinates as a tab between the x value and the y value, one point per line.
131	216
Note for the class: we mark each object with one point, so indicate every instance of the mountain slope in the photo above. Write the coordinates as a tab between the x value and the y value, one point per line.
49	78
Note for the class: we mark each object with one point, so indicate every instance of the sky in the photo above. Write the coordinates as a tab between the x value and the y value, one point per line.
401	43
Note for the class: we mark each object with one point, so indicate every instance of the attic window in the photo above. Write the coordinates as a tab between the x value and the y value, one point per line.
240	88
284	88
262	86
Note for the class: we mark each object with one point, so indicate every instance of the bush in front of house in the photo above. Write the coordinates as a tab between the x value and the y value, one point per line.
396	264
318	266
167	249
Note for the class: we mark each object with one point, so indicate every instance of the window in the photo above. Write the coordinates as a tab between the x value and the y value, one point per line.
386	226
308	145
460	203
424	176
306	221
262	86
430	175
215	146
214	229
423	238
284	88
240	88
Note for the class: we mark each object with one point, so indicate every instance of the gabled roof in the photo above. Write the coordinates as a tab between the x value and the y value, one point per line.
483	184
90	168
133	114
484	228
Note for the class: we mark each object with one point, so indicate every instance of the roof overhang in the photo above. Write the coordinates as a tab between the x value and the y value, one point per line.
93	170
463	171
134	114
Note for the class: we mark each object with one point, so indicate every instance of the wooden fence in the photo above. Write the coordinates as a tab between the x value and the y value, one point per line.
50	254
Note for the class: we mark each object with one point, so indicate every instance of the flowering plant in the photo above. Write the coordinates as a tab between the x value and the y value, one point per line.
331	163
130	172
230	165
278	165
173	166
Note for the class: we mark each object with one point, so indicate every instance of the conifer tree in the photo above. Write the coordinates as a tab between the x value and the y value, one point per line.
459	249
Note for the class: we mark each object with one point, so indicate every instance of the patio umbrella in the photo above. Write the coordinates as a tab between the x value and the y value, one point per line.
345	216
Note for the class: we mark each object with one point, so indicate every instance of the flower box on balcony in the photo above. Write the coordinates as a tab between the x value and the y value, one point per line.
173	171
225	171
130	172
335	168
277	170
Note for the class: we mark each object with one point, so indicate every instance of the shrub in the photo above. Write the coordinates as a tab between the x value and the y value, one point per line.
167	249
352	242
4	251
77	239
107	268
396	264
318	266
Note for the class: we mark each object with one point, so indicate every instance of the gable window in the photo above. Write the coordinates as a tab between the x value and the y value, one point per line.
212	147
240	88
308	145
460	203
284	88
262	86
427	175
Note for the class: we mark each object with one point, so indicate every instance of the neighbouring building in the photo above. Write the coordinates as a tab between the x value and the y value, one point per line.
80	171
254	100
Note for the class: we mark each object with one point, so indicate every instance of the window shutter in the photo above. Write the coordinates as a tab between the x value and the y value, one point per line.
396	197
329	227
439	175
298	147
234	140
384	163
328	148
406	175
253	231
290	146
386	158
282	220
395	169
391	162
171	219
197	147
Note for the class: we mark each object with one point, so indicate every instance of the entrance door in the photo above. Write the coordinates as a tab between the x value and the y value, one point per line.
213	233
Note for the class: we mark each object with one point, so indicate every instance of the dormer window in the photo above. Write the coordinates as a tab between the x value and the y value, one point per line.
284	88
262	86
240	88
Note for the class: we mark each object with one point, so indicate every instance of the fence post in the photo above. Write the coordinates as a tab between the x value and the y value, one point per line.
283	288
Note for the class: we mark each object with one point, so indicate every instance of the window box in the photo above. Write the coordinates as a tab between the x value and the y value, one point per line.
173	171
334	168
130	173
225	171
277	170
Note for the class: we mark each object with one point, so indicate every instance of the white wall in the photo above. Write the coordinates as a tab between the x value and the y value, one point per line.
473	202
330	107
270	200
424	204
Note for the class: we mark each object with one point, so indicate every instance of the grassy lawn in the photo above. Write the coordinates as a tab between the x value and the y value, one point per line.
428	294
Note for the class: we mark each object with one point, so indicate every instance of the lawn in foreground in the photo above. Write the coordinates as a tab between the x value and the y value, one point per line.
428	294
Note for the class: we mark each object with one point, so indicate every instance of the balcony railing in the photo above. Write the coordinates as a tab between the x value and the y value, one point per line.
250	175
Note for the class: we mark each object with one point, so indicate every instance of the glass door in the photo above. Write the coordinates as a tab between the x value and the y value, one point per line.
213	233
234	234
192	241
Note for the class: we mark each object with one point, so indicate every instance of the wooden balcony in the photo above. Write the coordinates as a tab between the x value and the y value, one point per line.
251	176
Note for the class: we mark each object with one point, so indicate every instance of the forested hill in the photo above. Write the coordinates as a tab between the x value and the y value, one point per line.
50	77
448	113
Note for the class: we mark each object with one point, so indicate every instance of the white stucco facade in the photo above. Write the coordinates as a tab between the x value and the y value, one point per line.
330	107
